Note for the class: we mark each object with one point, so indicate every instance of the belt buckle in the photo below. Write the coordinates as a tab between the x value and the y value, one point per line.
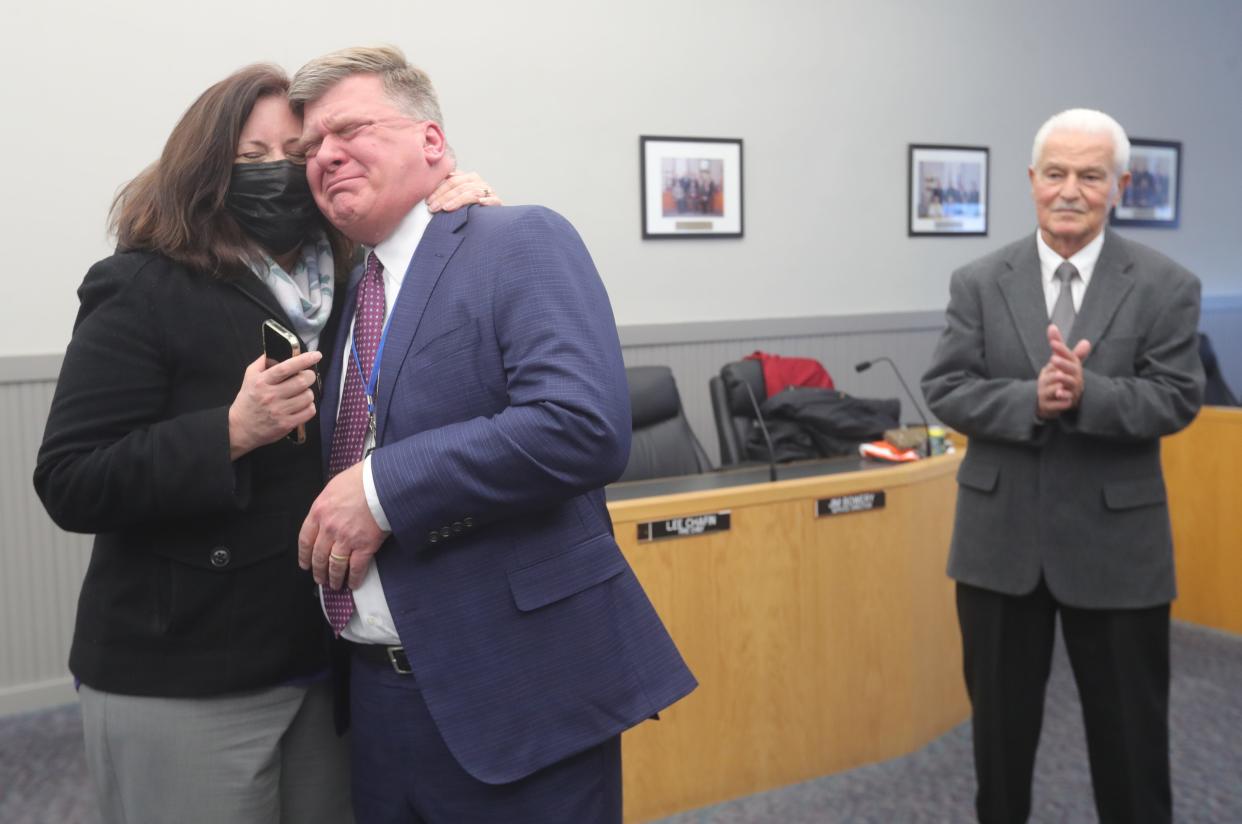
399	660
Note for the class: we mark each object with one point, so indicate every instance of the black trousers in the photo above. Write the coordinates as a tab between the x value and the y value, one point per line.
1120	660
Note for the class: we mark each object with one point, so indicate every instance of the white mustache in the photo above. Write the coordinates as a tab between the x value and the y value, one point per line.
1068	207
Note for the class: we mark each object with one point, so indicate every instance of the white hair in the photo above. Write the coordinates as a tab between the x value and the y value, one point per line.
1086	121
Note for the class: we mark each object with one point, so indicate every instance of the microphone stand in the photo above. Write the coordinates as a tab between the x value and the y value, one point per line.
925	450
764	429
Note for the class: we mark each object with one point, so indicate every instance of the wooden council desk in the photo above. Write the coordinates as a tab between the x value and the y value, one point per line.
820	643
1203	473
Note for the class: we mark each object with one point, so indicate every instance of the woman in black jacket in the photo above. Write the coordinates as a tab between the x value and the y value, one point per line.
199	645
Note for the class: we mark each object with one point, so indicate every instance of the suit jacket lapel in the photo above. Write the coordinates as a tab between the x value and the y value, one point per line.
1110	283
1023	291
440	240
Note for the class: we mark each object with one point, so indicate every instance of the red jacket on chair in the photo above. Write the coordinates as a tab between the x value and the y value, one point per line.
780	373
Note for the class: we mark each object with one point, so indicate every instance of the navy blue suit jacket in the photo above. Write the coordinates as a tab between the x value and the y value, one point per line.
502	412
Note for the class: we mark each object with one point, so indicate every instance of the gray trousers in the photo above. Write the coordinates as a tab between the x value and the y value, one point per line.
269	756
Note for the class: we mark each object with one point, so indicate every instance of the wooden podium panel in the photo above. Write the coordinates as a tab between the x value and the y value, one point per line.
1203	473
820	643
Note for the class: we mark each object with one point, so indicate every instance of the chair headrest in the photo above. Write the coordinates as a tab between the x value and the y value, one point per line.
735	377
1207	354
653	395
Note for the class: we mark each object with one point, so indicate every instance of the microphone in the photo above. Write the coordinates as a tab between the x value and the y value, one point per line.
867	364
763	427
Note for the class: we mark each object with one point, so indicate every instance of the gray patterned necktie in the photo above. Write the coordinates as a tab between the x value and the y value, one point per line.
1063	310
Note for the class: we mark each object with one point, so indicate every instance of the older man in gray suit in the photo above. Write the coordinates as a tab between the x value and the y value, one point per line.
1066	357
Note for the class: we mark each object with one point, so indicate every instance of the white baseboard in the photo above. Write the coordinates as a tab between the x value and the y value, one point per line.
40	695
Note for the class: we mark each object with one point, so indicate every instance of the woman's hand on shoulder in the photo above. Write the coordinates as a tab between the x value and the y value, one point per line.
272	401
461	189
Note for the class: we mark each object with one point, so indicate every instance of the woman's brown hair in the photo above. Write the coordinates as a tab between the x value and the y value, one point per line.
176	206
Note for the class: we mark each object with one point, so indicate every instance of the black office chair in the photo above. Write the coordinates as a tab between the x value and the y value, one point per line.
732	408
1216	392
663	443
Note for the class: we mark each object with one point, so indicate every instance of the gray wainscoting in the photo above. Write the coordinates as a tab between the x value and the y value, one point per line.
41	567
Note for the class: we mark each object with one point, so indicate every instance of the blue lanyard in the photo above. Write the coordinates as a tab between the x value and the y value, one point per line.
369	381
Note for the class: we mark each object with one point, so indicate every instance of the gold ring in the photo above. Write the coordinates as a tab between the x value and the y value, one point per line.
334	557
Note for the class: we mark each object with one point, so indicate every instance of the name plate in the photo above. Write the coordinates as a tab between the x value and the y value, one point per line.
845	504
684	527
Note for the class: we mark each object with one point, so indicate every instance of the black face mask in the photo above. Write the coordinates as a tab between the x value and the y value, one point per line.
273	203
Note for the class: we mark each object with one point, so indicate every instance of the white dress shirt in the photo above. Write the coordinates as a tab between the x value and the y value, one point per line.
372	621
1084	261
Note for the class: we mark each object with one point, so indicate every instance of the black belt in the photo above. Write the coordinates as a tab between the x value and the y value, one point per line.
384	656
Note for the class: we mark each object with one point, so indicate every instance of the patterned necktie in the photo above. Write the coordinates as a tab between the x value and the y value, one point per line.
1063	310
352	418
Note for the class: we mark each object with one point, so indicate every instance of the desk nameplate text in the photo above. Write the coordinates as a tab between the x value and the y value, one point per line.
846	504
684	527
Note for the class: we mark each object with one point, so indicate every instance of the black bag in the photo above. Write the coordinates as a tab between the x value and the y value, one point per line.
820	423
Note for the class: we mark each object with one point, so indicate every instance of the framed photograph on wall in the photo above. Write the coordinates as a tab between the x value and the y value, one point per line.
1153	197
691	187
947	190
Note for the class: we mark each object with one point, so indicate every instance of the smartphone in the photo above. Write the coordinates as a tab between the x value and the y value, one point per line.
279	344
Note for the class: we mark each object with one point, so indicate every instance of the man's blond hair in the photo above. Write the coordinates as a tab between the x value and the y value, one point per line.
408	86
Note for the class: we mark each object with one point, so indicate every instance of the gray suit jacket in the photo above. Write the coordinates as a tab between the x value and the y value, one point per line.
1080	498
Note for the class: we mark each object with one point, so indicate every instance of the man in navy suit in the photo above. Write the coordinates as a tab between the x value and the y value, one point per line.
499	641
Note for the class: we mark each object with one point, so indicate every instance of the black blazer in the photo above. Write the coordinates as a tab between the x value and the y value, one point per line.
193	587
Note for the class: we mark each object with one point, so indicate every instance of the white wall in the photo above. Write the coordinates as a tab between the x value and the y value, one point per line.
548	98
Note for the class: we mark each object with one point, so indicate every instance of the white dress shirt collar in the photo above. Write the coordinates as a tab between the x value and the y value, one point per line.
397	250
1084	259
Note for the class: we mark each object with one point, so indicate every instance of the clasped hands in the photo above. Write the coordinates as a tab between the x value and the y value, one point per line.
1059	387
340	536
